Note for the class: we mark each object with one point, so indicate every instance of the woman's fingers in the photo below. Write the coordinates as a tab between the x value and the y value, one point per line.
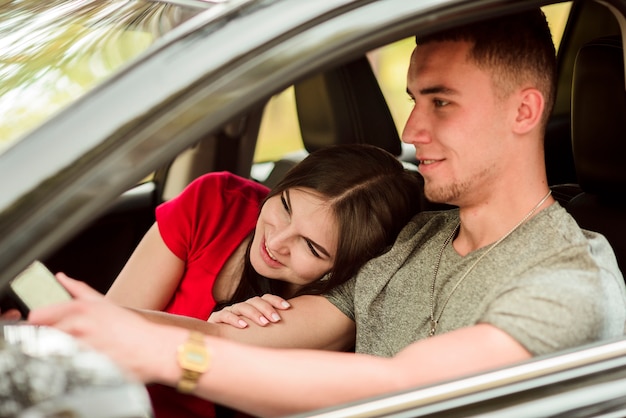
226	317
267	305
276	301
261	310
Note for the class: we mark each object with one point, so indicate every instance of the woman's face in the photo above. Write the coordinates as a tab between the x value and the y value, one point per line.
295	238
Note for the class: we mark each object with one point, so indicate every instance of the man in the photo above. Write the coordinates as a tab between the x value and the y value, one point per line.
507	276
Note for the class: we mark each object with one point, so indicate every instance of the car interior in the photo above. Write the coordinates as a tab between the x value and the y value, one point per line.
342	105
345	104
598	132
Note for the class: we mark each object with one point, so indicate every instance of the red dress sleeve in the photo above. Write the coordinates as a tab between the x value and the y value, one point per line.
203	226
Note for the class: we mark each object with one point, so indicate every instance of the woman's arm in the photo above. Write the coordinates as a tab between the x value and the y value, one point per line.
150	277
311	322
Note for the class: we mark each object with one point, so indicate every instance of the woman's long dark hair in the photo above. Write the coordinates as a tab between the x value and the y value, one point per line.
372	196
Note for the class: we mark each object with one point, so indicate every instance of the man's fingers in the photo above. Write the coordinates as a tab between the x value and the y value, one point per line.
51	315
11	315
78	289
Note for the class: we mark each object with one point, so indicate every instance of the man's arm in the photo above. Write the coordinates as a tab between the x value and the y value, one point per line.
269	381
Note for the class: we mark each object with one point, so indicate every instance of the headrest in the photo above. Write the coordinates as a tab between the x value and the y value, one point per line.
345	105
599	117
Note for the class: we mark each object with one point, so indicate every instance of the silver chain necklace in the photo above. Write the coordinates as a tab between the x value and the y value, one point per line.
434	322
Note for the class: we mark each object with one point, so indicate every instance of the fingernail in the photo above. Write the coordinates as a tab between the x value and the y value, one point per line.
263	320
275	317
242	323
286	304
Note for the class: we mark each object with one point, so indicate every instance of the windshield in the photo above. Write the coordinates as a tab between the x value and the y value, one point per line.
53	52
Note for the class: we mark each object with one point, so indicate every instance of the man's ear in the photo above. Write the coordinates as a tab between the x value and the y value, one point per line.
529	111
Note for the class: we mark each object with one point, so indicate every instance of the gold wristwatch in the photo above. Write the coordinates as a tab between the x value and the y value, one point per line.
194	359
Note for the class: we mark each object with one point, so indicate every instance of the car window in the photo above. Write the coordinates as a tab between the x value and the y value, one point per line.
280	132
557	15
53	52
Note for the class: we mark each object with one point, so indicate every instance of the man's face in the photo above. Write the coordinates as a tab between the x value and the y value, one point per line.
457	124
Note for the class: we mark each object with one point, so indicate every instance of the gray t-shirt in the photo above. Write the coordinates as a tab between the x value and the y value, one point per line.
550	285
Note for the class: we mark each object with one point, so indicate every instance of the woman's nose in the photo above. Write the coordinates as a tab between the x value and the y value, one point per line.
278	242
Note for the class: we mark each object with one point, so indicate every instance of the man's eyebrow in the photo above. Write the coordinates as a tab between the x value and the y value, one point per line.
438	90
434	90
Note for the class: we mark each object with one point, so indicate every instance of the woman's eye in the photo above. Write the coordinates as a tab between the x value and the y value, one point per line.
284	202
312	248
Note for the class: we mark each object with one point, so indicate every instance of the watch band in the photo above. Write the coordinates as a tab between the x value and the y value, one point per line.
194	359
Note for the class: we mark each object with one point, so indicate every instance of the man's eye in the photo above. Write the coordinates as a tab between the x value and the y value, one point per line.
312	248
440	103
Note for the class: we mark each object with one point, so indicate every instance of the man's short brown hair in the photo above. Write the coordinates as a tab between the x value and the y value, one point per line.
517	49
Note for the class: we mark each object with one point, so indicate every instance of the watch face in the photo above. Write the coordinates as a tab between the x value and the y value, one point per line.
193	354
194	358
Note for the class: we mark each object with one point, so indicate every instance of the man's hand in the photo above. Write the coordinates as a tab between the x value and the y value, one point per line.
115	331
10	315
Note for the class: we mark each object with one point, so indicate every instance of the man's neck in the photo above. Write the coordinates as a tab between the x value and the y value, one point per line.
487	223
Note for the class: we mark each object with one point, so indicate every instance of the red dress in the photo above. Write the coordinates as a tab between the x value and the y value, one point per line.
203	226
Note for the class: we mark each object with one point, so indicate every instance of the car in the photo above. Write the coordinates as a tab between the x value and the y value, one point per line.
178	89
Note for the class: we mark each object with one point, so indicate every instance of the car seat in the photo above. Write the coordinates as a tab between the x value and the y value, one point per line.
599	141
341	106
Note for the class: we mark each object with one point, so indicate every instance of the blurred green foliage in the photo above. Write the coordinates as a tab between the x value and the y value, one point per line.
53	52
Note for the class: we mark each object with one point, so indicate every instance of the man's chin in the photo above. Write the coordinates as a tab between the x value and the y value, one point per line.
445	196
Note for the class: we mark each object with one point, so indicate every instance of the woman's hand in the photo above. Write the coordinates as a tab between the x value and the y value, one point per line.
261	310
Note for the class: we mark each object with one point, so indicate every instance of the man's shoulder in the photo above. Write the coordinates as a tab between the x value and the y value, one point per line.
418	233
429	221
559	222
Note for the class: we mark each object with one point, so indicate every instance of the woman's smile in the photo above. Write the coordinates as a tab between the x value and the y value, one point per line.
268	257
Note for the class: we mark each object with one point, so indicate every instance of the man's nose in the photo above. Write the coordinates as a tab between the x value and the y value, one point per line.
416	130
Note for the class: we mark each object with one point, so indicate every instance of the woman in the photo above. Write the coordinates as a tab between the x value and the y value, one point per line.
225	239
